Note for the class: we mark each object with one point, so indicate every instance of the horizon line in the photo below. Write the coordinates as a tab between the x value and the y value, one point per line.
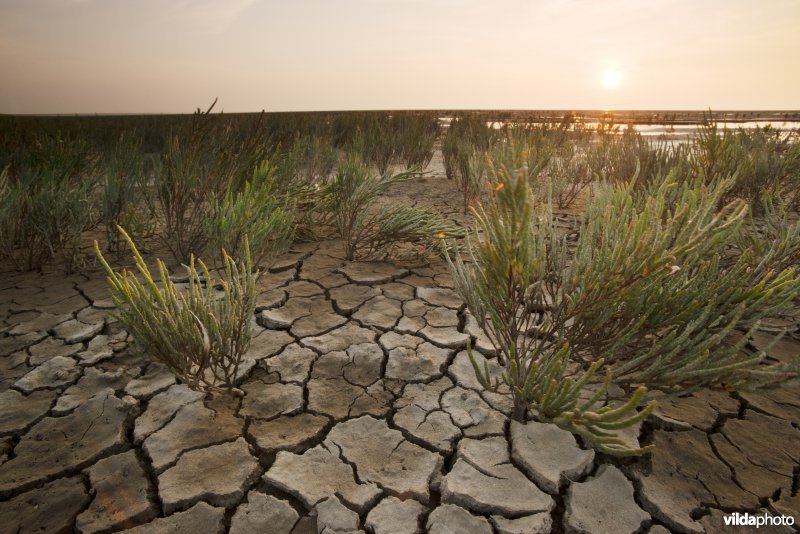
429	110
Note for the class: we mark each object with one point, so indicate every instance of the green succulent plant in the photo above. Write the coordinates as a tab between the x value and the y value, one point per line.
651	289
200	333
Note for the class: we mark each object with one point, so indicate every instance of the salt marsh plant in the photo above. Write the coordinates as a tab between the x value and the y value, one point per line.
376	142
122	176
200	160
471	175
516	259
464	135
307	161
667	293
57	156
383	139
21	243
528	155
450	151
621	157
348	203
416	137
763	160
772	239
569	174
527	149
46	203
256	213
652	291
200	333
60	213
182	183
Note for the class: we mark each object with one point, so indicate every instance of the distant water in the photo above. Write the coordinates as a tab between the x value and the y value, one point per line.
686	130
677	131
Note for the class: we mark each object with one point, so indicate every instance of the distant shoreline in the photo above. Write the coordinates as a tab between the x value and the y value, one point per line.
677	117
639	116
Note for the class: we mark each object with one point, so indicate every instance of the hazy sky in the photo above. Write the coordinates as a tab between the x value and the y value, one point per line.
135	56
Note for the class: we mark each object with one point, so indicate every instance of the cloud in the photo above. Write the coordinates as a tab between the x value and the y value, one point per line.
206	16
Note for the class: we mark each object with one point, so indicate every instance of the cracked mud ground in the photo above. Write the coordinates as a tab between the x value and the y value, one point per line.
360	412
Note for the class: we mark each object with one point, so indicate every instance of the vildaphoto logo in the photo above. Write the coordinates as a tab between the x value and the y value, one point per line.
756	520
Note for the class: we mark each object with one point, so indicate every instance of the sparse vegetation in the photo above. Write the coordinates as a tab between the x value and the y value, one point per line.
652	290
349	205
569	174
471	175
202	160
47	201
668	293
308	161
255	212
201	332
683	247
762	159
416	139
514	272
123	177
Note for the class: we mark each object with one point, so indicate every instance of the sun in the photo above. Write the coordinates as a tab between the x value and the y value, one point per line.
612	78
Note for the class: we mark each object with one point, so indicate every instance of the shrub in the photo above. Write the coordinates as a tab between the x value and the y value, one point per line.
202	333
450	153
771	241
308	161
569	174
348	203
46	203
21	243
464	135
388	226
762	160
653	290
514	270
621	158
198	162
664	293
122	186
471	175
379	143
528	155
57	156
415	139
59	215
256	212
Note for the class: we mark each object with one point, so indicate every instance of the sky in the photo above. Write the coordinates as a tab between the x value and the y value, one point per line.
173	56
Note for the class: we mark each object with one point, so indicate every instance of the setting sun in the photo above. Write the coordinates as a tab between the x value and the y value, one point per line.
612	78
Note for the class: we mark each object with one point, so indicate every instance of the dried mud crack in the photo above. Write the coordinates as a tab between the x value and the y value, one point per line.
360	412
